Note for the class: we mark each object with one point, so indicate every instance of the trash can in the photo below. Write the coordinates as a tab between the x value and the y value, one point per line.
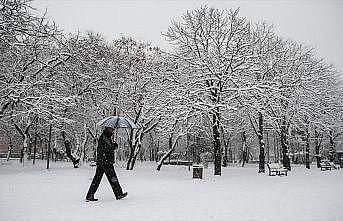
197	171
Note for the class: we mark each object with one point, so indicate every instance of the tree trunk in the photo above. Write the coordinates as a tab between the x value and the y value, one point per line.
42	147
284	144
132	150
216	144
151	153
261	143
225	158
332	145
29	146
244	148
276	149
54	149
26	137
35	145
95	142
157	150
78	150
307	150
226	148
171	149
24	154
131	140
268	148
137	147
151	148
188	154
137	150
48	150
317	148
84	144
9	151
231	158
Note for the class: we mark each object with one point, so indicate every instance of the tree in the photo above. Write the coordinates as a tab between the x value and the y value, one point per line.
28	58
214	45
256	102
141	87
92	79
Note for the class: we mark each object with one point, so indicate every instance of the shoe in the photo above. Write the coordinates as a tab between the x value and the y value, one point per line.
91	199
121	196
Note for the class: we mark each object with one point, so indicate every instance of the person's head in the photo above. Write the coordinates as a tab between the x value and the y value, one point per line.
108	131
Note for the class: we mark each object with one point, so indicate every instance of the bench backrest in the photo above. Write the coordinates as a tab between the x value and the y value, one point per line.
273	165
325	163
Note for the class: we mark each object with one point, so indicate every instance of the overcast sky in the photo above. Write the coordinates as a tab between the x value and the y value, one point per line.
315	23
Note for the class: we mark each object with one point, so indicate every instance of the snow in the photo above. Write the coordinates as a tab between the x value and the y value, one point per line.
34	193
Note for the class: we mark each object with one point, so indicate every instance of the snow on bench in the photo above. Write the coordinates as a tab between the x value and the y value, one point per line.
325	165
178	162
335	166
276	169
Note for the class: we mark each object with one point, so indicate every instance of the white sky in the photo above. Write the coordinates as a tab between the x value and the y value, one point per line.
317	23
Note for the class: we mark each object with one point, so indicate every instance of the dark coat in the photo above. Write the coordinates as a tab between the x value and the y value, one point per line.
105	150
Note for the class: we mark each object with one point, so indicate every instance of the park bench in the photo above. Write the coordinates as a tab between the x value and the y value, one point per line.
335	166
276	169
325	165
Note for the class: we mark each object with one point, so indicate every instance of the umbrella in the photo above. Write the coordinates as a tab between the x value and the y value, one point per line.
117	122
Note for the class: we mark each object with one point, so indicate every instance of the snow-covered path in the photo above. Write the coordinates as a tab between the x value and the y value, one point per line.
34	193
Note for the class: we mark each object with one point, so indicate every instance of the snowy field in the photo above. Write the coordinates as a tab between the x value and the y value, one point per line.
34	193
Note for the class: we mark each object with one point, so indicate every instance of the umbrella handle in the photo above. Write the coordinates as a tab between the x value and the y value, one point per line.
117	129
116	134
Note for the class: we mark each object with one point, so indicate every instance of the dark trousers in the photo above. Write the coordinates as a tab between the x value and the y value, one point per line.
111	175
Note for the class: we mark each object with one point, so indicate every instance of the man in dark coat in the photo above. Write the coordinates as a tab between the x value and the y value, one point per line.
105	160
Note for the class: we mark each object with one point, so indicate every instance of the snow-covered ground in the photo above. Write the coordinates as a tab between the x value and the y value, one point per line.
34	193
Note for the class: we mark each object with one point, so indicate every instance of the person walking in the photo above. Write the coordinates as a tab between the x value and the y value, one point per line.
76	161
105	161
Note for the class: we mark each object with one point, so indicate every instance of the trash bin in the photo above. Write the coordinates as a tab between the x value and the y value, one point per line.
197	171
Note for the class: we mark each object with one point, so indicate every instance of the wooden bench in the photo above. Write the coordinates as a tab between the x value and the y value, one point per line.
276	169
325	165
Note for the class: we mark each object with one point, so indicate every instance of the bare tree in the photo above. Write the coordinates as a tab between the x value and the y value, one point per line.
215	46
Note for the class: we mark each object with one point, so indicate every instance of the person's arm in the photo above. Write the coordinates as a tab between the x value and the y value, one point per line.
115	145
